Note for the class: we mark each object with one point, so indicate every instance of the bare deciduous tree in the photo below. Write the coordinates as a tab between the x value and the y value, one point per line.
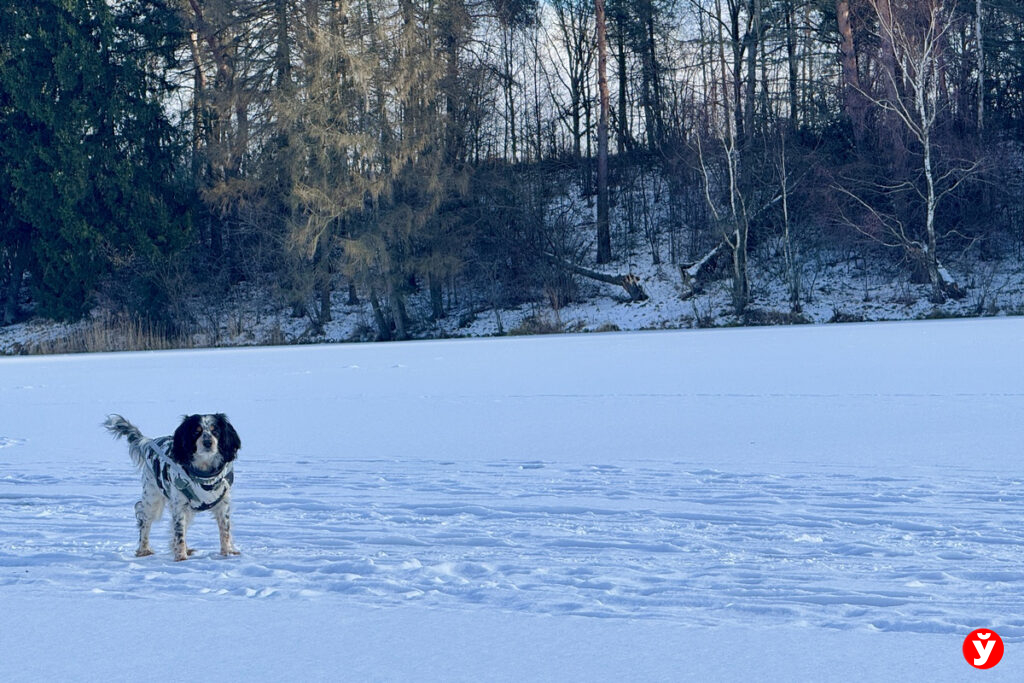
916	38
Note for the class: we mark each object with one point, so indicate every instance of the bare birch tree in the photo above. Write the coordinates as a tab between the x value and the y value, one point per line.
916	37
730	216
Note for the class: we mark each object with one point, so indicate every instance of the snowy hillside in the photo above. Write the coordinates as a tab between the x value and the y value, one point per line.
836	287
792	503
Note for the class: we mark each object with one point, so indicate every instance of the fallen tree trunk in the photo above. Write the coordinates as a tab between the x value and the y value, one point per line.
629	282
695	274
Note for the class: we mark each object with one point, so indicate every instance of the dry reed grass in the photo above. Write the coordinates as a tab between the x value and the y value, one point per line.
111	333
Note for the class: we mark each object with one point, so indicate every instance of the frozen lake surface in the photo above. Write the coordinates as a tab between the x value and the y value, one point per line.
734	504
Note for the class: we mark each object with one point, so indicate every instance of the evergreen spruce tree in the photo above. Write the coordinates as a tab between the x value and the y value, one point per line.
86	151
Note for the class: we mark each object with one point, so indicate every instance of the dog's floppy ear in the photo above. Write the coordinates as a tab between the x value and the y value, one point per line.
228	442
184	446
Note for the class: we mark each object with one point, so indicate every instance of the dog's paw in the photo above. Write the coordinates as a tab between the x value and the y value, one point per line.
191	552
231	551
144	552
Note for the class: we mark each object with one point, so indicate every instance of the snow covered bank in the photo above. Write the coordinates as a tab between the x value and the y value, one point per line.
837	287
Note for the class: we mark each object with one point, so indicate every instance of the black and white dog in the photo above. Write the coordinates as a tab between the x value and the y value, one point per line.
192	470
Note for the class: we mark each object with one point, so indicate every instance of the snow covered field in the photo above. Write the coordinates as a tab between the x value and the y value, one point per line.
813	503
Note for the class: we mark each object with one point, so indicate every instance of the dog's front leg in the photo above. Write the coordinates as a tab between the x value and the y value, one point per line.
182	519
223	514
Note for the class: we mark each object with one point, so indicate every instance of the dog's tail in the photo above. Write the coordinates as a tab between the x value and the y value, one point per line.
120	427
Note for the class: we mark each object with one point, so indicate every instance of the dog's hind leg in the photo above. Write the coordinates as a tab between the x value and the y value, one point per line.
145	523
147	511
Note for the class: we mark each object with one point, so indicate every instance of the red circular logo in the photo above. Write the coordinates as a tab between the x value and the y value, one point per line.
983	648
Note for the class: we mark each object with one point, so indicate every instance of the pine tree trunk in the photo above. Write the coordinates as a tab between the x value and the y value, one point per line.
890	76
981	66
604	239
325	316
622	136
398	313
18	262
648	78
322	278
794	67
753	40
737	66
511	142
883	8
853	99
657	103
740	279
436	298
383	326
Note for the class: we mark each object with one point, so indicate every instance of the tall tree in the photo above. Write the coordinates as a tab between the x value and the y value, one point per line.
916	34
372	138
979	39
86	179
854	102
574	65
604	236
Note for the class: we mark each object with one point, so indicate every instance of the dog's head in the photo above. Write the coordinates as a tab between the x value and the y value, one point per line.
205	441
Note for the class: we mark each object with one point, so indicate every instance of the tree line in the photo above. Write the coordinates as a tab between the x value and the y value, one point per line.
158	152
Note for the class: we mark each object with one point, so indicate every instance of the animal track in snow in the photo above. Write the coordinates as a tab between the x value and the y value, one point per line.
643	541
